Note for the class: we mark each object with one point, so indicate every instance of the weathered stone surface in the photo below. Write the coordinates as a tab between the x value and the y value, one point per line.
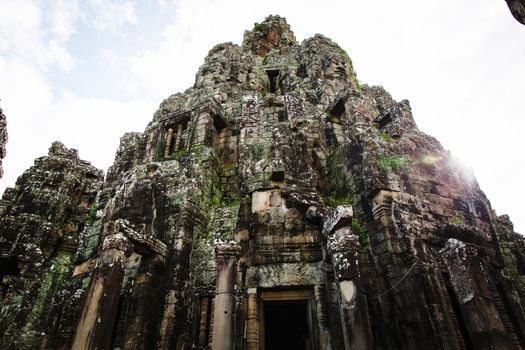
3	139
41	222
277	177
517	8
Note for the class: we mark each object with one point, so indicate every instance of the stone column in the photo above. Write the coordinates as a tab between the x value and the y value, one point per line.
179	137
343	248
210	336
252	321
169	140
325	338
226	256
203	322
94	330
204	124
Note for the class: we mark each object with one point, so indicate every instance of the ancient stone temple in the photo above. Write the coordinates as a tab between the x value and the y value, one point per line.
276	204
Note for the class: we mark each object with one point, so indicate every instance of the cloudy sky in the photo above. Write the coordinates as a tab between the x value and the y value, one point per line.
84	72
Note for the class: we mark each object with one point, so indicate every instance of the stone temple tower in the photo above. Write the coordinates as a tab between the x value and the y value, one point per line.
276	204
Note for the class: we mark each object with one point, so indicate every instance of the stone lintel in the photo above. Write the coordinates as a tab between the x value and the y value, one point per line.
285	274
117	241
210	105
340	216
153	244
227	249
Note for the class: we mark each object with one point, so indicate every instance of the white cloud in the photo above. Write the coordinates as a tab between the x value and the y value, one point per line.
36	33
110	16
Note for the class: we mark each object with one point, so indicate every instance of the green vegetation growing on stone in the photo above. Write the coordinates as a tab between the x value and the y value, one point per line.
259	27
457	220
332	201
53	280
429	159
386	137
392	163
346	56
360	230
92	215
340	187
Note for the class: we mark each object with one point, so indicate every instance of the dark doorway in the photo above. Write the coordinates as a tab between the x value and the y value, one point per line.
272	77
286	325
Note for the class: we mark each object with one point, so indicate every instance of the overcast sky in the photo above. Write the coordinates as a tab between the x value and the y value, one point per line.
85	72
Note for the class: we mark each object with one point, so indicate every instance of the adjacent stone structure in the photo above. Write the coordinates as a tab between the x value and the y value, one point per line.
517	8
276	203
3	140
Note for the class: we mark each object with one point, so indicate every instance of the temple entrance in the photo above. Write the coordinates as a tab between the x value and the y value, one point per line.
286	325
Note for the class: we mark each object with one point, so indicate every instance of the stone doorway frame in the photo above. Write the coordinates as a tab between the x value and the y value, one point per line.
305	295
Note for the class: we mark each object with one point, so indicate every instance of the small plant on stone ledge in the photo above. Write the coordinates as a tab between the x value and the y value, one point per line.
457	220
392	163
386	137
361	232
334	201
259	27
92	215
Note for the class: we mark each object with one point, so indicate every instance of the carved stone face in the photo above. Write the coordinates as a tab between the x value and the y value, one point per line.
337	69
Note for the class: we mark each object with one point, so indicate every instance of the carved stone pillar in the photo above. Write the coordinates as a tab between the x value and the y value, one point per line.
94	329
169	140
212	311
226	256
203	322
342	247
325	338
252	321
179	137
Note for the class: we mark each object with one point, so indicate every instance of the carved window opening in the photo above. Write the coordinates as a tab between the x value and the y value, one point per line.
384	121
272	77
282	115
8	267
337	112
176	137
218	123
301	71
278	176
